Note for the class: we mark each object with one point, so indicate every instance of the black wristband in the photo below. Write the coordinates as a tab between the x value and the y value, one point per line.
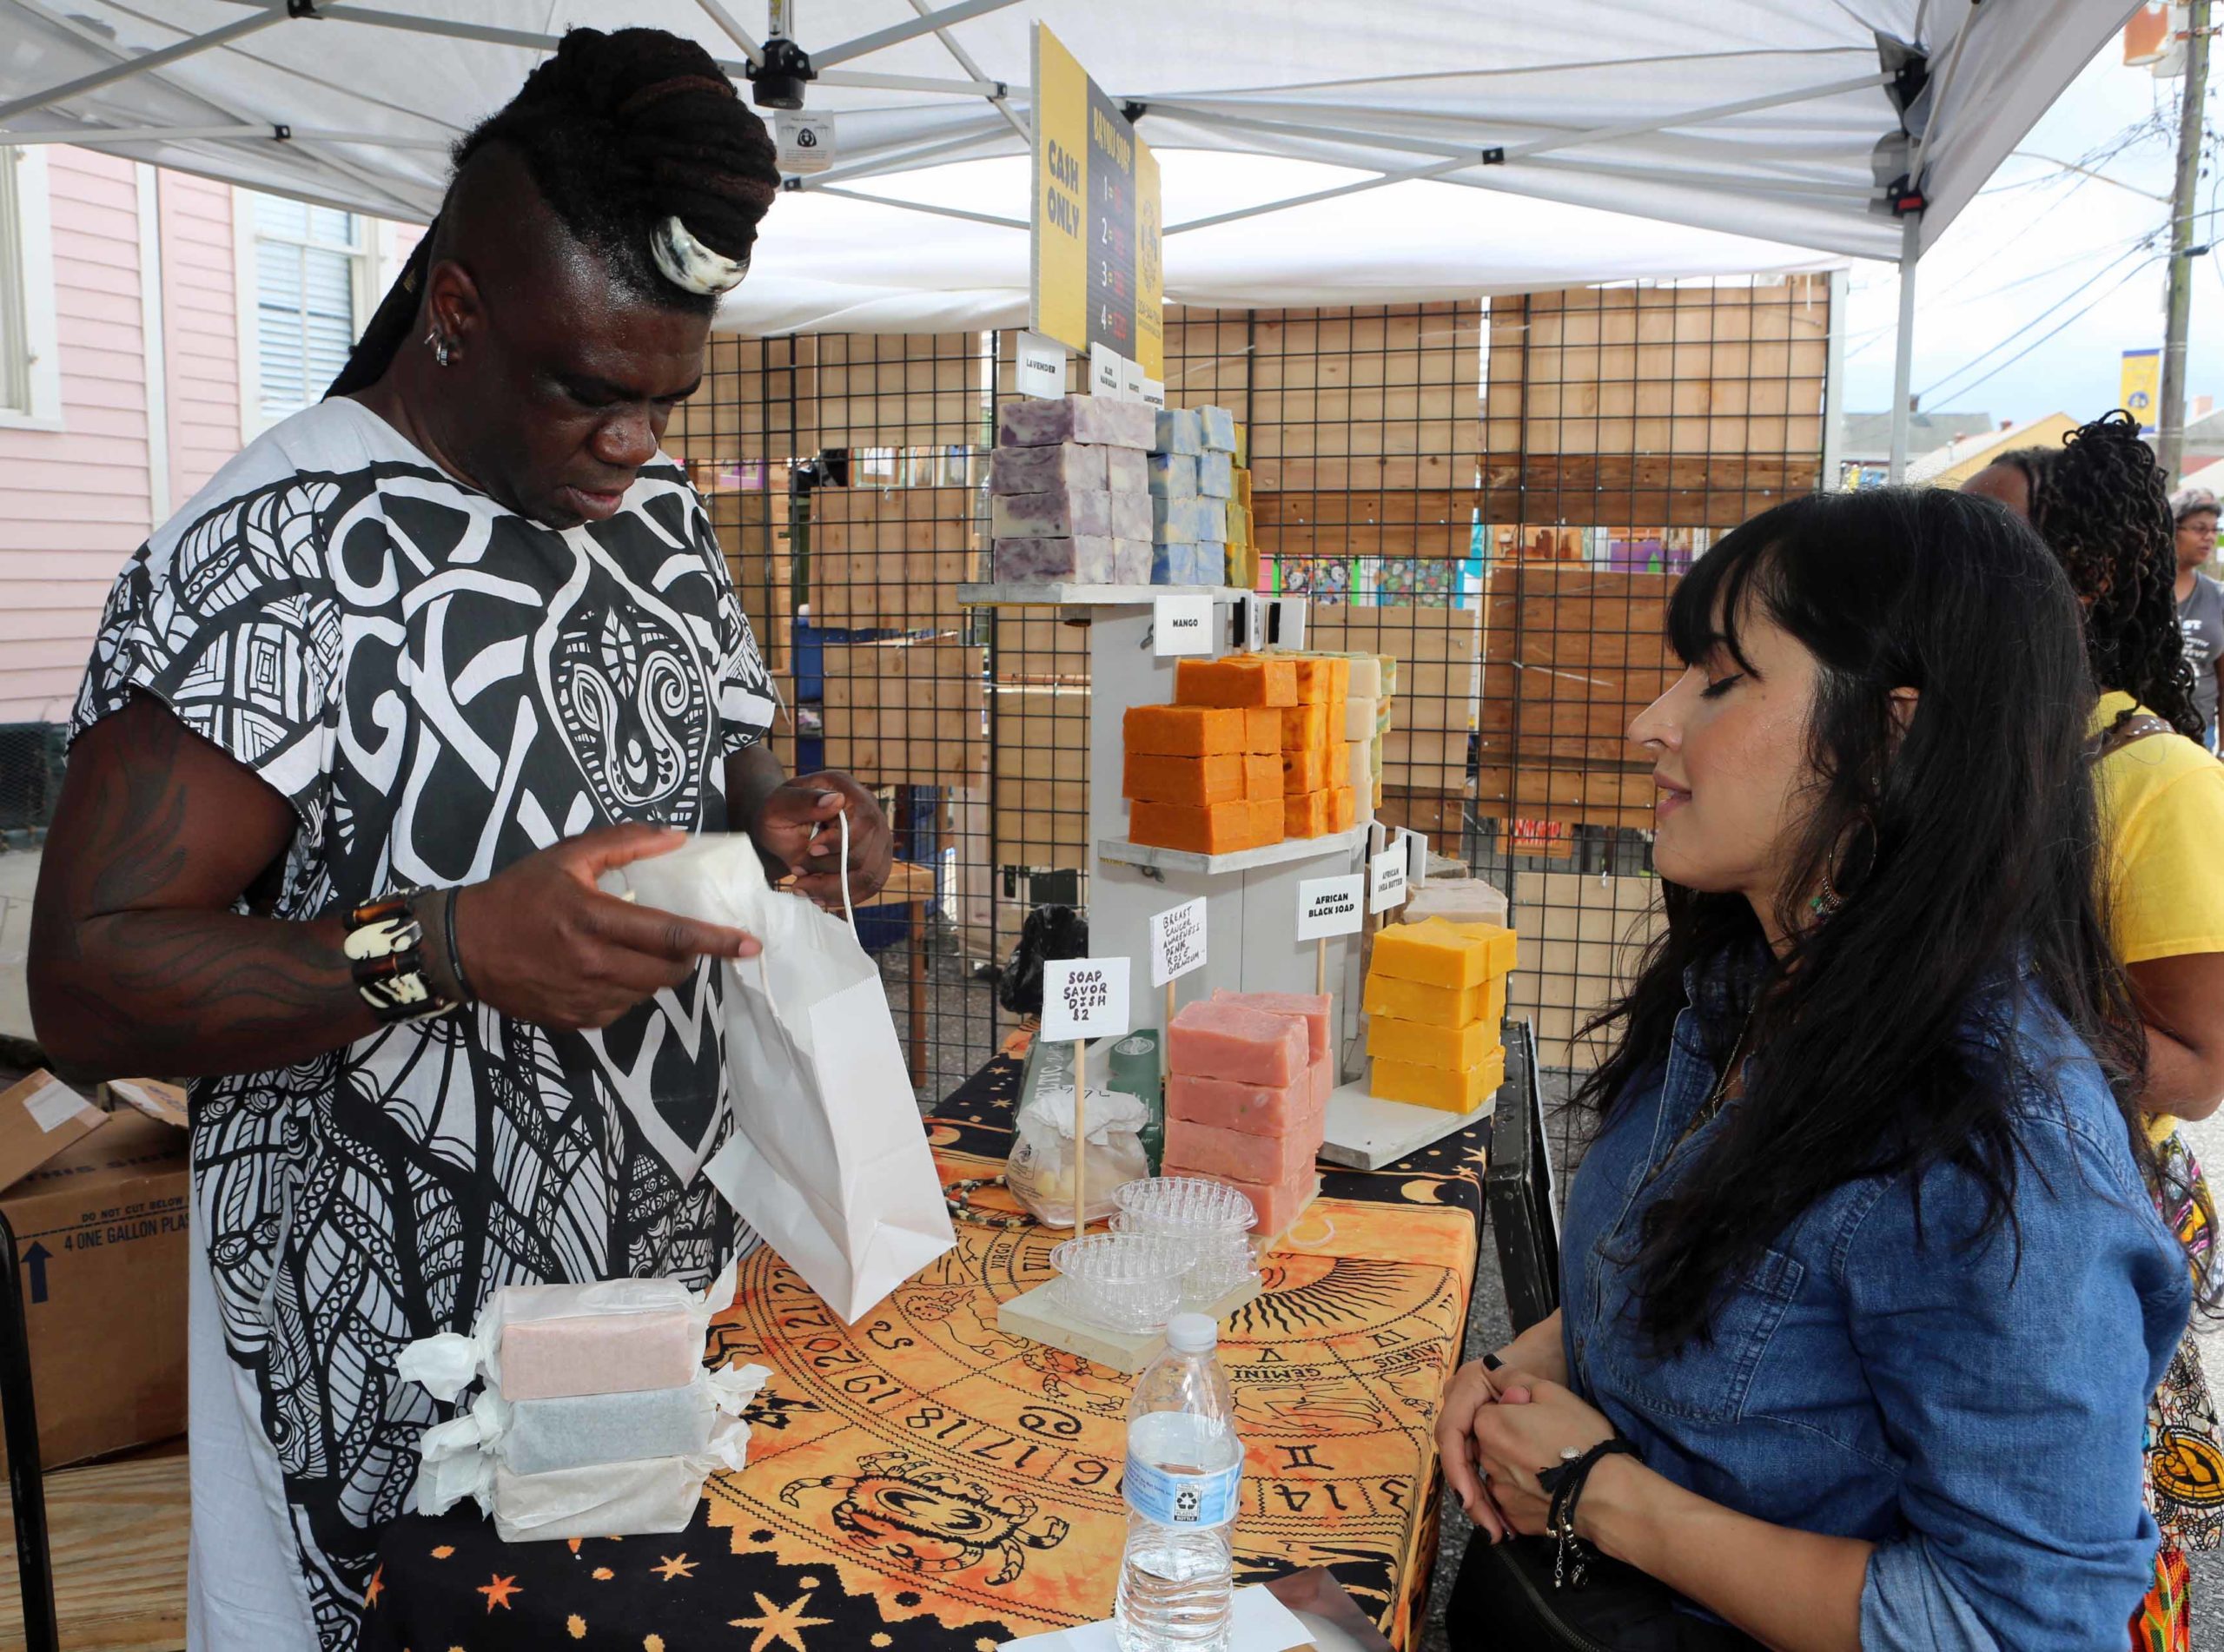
1563	1484
455	953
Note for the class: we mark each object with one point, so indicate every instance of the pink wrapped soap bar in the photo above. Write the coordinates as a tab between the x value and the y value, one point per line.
1323	1073
600	1353
1215	1040
1313	1007
1256	1109
1231	1155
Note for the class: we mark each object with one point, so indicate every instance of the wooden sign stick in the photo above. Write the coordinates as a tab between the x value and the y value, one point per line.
1081	1136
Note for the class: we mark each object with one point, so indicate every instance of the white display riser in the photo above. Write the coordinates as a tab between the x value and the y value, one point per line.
1251	941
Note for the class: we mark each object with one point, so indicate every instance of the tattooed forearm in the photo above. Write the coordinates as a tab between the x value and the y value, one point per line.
138	963
190	994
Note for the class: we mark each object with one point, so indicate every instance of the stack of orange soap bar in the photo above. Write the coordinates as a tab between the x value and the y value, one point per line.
1434	999
1205	773
1317	796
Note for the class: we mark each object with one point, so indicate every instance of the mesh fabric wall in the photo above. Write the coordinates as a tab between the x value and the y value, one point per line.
1499	494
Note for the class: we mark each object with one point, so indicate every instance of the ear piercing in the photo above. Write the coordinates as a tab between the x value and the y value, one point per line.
440	347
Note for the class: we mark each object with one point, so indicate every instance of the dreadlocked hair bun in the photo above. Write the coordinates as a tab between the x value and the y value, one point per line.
624	131
2100	502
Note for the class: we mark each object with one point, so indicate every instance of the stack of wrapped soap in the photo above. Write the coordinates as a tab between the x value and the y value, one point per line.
1434	999
1192	480
1247	1097
1225	710
1317	796
1070	493
1242	530
1367	724
595	1416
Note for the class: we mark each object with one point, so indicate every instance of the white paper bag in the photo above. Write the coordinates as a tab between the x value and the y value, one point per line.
829	1160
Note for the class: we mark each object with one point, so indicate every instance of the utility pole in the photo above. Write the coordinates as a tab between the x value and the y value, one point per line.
2191	122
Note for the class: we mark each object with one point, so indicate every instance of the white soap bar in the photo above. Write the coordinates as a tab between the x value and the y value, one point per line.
1359	717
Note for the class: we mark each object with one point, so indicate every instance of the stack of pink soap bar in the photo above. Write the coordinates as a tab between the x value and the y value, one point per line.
1246	1096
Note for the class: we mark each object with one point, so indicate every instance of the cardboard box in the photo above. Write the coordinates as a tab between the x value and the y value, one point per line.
98	1204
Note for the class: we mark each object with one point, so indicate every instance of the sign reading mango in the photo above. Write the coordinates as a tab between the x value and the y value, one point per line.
1097	278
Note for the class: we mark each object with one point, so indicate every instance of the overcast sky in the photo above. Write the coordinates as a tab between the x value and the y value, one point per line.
2045	249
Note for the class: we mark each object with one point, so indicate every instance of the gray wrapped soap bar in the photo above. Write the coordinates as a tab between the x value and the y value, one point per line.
1174	521
1086	561
1172	476
1047	469
1068	513
1217	427
1127	470
1216	476
1131	516
547	1435
1179	430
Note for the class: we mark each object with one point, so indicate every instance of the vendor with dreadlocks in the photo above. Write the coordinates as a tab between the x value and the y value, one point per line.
443	648
2100	501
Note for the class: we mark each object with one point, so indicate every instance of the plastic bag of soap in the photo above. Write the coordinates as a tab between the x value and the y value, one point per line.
619	1335
590	1430
1039	1172
1456	900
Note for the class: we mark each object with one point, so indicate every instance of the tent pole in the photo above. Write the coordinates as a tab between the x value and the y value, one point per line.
1834	388
996	99
190	46
921	205
925	24
1903	346
732	29
1376	182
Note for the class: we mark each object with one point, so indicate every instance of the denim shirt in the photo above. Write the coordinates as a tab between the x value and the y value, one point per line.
1980	1420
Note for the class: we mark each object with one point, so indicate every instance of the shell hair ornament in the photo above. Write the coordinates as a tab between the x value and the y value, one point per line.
688	264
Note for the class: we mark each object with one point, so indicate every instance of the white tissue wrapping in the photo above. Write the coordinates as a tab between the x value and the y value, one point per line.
470	1457
446	1365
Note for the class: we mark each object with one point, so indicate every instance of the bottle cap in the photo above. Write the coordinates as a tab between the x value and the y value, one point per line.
1192	1334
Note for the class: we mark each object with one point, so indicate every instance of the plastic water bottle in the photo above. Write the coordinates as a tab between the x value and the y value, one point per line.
1184	1468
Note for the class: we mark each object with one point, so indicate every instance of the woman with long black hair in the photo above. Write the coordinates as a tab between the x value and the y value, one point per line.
1862	1293
2100	502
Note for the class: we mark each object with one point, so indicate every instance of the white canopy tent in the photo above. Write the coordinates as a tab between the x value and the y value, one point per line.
1313	153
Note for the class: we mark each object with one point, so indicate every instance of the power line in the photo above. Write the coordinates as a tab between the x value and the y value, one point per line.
1964	390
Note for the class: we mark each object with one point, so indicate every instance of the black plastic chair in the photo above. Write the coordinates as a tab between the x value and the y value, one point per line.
26	1484
1517	1187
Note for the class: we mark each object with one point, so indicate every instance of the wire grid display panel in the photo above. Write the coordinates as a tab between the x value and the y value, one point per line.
1625	429
843	471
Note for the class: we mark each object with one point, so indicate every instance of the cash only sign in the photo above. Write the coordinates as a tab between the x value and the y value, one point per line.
1098	282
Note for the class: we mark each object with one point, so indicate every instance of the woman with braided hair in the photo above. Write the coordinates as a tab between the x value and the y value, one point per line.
2101	502
363	722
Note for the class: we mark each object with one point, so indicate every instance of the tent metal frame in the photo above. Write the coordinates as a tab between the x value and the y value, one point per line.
1468	164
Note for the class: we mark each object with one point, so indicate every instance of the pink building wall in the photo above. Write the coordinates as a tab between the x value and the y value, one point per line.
76	502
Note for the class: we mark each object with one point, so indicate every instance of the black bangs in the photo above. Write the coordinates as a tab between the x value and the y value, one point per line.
1704	609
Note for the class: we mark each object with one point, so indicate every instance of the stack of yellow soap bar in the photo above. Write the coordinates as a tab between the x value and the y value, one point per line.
1434	998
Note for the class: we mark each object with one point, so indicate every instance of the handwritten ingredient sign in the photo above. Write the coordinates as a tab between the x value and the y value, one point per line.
1084	998
1177	942
1329	906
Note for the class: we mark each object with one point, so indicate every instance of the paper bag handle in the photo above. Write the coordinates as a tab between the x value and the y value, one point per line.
848	917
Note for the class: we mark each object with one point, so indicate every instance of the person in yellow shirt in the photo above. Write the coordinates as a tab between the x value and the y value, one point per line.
2101	502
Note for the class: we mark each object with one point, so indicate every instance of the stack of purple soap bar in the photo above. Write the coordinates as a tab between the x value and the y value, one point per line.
1071	492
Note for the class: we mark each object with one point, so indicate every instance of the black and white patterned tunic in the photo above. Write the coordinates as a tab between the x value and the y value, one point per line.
439	687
